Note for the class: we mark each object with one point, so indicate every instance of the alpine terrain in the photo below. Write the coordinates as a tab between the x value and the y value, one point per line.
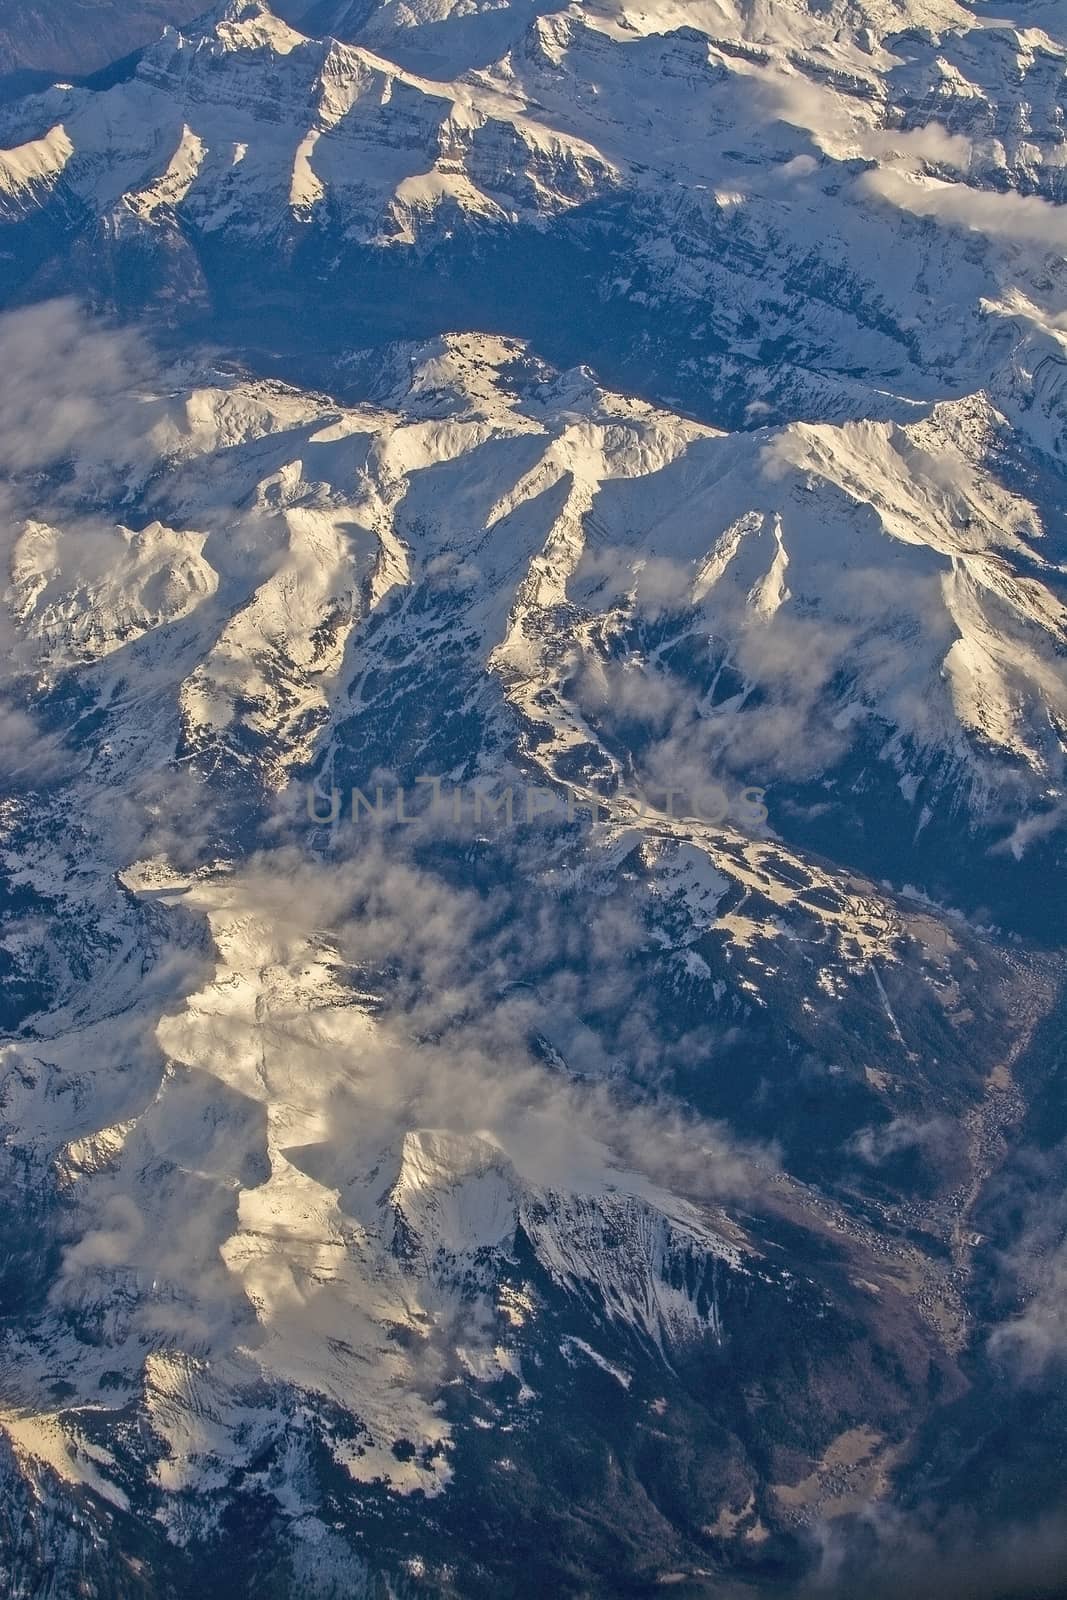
533	813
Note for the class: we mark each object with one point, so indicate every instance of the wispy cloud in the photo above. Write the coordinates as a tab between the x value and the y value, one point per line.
1017	217
1032	1337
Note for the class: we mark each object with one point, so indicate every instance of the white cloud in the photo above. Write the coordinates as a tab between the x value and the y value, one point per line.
69	390
1025	218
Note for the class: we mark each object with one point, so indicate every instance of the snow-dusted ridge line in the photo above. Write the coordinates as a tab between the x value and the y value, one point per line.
537	501
903	257
309	1156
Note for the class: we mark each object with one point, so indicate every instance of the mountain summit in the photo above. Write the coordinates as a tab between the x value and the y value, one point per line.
535	719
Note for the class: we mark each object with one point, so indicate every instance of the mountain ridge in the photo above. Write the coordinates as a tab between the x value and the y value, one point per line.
534	597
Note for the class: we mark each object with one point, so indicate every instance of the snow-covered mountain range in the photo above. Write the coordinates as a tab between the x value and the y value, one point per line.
625	448
826	226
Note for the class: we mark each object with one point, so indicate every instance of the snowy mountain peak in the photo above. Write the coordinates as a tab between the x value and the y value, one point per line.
536	737
434	1157
247	25
454	1193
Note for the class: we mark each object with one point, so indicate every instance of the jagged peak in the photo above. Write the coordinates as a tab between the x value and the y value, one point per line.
453	1191
247	25
432	1158
465	366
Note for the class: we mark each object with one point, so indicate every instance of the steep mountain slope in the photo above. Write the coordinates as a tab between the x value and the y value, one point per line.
750	224
534	717
370	1213
73	38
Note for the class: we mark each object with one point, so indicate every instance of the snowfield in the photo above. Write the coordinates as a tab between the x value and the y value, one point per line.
662	409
